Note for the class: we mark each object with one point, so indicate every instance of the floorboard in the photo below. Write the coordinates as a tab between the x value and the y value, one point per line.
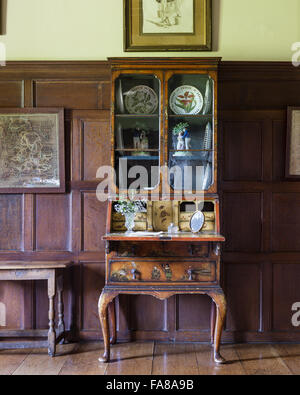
175	358
261	359
154	358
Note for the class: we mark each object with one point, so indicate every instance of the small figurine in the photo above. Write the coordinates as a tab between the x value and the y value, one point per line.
144	143
183	139
180	143
136	139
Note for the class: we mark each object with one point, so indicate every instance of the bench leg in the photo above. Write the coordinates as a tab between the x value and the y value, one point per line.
61	323
51	333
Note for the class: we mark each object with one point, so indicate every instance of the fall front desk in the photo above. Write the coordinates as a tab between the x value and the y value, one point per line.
161	264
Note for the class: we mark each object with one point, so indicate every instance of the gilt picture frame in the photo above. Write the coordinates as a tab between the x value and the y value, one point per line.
32	150
167	25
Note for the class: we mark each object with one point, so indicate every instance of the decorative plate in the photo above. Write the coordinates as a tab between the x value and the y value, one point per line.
141	100
185	100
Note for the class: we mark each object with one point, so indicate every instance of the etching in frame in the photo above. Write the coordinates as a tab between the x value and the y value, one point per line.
32	150
292	167
186	29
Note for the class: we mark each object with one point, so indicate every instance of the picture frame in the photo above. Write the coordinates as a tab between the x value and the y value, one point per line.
32	150
167	25
292	165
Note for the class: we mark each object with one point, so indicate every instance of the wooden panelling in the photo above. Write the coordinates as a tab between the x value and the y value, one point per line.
242	221
193	312
93	229
279	141
93	278
11	93
258	95
243	287
286	222
260	208
242	143
154	317
11	214
52	222
11	293
96	147
286	280
69	94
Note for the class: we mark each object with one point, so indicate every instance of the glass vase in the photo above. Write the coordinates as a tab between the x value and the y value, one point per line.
129	222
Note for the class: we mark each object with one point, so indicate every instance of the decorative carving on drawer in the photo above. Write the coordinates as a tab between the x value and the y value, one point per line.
168	272
155	274
119	276
163	271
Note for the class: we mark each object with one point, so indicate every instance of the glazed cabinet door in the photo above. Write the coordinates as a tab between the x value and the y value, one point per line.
137	130
190	131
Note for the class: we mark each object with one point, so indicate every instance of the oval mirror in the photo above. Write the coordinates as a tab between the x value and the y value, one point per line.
197	221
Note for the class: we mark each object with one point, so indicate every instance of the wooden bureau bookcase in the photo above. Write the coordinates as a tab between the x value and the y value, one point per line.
150	260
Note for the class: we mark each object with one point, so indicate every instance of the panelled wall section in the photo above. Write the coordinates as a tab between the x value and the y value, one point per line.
260	209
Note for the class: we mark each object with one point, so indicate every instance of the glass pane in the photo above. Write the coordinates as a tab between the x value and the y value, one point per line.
137	123
191	131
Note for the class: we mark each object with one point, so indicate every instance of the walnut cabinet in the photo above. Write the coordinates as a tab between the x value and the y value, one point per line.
164	151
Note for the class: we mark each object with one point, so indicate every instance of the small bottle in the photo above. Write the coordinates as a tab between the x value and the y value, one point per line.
172	228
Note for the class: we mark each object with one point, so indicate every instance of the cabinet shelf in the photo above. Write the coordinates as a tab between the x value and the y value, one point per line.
127	116
140	157
190	116
136	150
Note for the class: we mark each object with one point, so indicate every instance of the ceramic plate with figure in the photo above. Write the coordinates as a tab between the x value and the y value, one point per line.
186	100
141	100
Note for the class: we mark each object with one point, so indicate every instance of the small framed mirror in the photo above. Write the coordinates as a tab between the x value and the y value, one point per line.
197	221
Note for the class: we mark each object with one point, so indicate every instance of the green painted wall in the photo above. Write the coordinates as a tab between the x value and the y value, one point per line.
93	30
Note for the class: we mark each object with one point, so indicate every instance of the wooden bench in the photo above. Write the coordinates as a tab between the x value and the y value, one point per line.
52	272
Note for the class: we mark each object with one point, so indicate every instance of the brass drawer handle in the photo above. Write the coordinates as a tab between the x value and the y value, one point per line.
202	272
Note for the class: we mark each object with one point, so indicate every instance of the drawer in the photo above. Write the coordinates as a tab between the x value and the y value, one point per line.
161	271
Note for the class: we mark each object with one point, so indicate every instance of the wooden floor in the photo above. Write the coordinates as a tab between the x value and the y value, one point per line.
154	359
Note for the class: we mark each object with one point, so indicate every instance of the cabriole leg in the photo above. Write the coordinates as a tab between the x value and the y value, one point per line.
112	322
220	301
105	298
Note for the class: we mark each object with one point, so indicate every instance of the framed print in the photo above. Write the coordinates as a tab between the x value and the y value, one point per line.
32	157
292	169
167	25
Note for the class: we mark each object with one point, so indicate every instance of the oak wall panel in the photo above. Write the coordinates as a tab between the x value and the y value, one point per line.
52	223
242	221
246	94
154	316
242	142
11	222
286	280
93	279
96	147
94	221
243	287
193	312
286	222
69	94
11	93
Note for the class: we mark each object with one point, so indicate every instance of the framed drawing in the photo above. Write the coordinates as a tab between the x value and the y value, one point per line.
292	168
167	25
32	150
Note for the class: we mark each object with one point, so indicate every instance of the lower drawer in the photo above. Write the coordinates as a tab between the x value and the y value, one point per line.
161	271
